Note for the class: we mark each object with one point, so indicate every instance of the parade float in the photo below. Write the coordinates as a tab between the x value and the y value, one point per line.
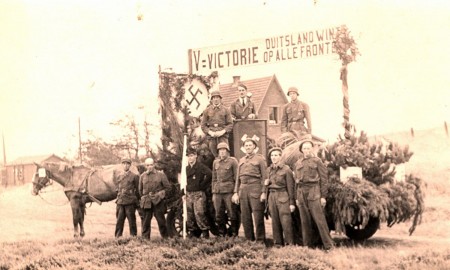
357	203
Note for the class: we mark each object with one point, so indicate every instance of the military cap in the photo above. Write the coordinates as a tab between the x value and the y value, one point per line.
126	160
223	145
190	151
274	149
250	140
215	93
292	89
303	142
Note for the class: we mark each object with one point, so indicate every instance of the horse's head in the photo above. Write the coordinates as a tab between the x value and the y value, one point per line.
41	179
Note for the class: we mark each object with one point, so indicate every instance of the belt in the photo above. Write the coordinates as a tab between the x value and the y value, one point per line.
293	121
277	190
308	184
250	180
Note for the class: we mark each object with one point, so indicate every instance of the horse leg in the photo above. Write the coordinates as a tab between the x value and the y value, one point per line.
74	219
76	204
82	213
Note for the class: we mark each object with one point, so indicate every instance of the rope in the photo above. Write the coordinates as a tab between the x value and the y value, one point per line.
50	202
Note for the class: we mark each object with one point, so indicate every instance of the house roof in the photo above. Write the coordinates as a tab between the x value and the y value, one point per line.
258	87
31	159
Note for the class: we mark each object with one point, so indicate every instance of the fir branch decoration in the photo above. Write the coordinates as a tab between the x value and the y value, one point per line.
377	194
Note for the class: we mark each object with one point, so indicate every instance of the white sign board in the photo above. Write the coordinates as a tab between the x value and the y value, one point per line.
267	50
345	174
196	96
400	172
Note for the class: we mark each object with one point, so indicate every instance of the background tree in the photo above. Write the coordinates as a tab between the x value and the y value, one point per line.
97	152
136	136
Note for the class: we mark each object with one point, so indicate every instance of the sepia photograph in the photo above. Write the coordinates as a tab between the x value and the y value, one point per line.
232	134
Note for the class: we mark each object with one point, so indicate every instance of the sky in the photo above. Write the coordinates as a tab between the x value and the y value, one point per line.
64	60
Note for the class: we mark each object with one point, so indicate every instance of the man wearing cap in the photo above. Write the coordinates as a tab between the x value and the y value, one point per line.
217	122
294	115
153	186
312	188
127	199
198	182
281	200
249	191
223	181
243	107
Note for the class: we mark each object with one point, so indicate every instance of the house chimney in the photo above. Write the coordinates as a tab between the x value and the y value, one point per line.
236	80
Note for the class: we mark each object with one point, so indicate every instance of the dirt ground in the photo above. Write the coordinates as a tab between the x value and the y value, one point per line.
48	217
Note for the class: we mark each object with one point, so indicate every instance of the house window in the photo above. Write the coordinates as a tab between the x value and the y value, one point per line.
273	115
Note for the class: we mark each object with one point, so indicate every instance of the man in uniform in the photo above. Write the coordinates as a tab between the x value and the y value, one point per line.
243	107
223	181
312	188
249	191
294	115
198	182
216	122
281	198
153	186
127	199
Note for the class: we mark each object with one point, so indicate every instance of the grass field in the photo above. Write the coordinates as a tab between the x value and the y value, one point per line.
36	233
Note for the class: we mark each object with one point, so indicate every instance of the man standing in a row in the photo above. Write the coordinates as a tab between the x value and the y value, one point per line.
312	189
250	191
153	186
127	199
217	123
198	182
223	181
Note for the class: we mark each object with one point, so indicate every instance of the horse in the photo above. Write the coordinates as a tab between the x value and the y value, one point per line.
81	185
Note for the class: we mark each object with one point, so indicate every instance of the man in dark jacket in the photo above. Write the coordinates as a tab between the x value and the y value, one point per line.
127	199
243	107
153	186
198	182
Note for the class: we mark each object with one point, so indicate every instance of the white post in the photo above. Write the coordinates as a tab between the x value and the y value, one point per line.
183	183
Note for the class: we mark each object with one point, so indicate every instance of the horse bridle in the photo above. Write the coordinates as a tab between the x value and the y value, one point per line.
37	182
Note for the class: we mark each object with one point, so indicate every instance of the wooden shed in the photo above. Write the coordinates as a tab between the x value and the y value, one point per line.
267	95
21	170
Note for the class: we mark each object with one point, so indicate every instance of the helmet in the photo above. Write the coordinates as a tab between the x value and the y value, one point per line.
273	150
223	145
126	160
303	142
215	93
292	89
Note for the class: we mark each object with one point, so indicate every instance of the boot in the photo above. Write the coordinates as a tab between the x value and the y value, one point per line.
234	226
205	234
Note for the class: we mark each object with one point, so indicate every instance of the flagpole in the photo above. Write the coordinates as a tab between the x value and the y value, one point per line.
183	183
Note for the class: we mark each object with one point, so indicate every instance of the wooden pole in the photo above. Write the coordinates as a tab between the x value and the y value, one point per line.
80	156
190	61
345	102
4	150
